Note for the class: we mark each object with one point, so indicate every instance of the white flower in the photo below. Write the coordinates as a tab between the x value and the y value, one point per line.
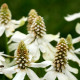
72	17
65	75
8	25
59	65
23	63
37	40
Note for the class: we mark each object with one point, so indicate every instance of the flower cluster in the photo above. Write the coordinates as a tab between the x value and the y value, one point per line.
29	48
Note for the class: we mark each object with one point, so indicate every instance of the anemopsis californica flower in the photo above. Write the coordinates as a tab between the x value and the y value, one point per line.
37	40
23	63
27	49
59	67
8	25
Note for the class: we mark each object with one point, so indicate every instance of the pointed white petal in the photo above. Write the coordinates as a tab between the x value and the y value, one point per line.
72	17
10	70
8	33
34	50
50	37
15	53
20	75
49	51
78	28
77	51
19	21
49	76
9	75
71	69
10	28
29	39
1	53
17	37
42	45
2	58
2	29
73	57
32	75
22	21
1	63
76	40
13	46
49	69
30	57
48	56
42	64
70	76
12	63
62	76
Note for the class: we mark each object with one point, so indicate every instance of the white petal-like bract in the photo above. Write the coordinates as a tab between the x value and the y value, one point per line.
72	17
20	75
32	75
78	28
42	64
2	29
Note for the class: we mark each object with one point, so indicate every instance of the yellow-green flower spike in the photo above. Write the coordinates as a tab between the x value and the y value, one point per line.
38	27
60	57
32	15
22	56
69	41
5	14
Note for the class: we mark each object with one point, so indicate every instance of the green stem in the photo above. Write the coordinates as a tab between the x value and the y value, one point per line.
3	44
6	41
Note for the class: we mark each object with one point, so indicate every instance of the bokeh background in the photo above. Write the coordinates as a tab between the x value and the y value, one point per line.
53	12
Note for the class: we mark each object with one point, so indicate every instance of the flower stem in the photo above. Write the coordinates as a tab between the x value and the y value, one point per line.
3	44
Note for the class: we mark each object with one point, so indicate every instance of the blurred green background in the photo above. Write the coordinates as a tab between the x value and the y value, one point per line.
53	12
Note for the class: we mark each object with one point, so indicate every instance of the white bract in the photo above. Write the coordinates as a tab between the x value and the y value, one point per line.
37	40
1	59
72	17
23	63
78	28
3	65
8	25
59	65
